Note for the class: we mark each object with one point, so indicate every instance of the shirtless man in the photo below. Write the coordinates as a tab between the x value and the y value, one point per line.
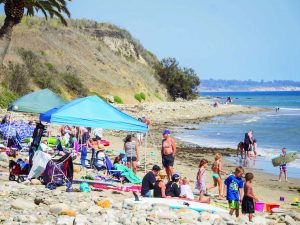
168	152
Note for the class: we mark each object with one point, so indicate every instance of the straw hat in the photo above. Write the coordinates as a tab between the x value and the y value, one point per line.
101	147
161	175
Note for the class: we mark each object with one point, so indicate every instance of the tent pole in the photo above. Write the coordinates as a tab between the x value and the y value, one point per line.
10	116
146	145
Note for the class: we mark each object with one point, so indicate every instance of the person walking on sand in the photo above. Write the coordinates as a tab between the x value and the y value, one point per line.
283	166
200	181
217	170
234	191
249	197
168	153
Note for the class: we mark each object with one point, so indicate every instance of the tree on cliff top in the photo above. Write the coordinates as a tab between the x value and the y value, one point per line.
14	11
180	82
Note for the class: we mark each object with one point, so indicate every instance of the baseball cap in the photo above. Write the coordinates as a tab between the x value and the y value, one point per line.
156	168
175	176
166	132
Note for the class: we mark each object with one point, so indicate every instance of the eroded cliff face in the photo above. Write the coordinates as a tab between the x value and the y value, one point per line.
108	60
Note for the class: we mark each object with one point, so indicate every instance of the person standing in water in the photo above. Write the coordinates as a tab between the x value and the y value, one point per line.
168	153
247	143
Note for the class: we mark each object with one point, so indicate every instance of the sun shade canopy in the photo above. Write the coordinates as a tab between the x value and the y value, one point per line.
93	112
37	102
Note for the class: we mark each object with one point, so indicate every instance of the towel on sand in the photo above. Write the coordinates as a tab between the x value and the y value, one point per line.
128	173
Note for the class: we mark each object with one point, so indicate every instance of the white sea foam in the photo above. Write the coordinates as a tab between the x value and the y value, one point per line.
268	153
251	120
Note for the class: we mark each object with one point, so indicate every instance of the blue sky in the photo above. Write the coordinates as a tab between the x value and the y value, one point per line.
221	39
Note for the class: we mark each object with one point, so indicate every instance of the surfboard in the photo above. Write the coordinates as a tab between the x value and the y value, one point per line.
178	204
280	160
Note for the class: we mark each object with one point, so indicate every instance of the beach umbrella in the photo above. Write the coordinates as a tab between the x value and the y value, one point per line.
11	129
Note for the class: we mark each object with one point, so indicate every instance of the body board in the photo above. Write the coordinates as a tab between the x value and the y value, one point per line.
280	160
178	204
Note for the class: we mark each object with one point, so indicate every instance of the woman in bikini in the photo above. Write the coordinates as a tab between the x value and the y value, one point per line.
217	170
168	152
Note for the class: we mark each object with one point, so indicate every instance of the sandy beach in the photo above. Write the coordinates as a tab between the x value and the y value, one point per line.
18	201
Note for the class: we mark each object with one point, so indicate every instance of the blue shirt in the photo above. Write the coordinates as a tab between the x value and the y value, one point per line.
233	184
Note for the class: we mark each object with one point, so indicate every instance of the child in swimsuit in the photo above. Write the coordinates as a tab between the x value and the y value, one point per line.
249	197
217	170
200	181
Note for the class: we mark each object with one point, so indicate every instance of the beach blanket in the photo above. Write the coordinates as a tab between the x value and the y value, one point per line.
136	188
128	173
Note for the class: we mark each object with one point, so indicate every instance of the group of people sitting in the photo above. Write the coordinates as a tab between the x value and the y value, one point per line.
154	185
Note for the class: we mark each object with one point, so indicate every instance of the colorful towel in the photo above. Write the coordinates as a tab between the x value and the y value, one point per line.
128	173
136	188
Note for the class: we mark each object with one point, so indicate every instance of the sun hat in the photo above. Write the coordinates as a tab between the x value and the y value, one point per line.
166	132
101	147
161	175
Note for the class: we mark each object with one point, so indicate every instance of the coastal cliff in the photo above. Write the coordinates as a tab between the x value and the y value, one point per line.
108	61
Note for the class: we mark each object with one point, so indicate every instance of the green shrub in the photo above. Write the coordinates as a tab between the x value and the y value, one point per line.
138	97
118	100
158	96
97	94
143	96
180	82
50	66
18	78
6	97
74	84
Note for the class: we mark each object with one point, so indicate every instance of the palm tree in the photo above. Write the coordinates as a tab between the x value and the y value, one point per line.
14	11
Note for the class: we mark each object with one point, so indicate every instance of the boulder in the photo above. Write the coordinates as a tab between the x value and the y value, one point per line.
289	220
81	220
35	182
65	220
22	204
259	220
58	208
67	212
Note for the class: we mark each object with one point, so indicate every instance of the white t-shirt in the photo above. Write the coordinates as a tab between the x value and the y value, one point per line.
187	191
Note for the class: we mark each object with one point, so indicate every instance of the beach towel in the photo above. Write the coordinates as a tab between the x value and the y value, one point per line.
136	188
128	173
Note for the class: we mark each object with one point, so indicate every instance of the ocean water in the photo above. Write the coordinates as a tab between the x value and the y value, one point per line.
273	130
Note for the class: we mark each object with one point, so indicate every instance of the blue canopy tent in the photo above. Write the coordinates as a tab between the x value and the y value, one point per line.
37	102
93	112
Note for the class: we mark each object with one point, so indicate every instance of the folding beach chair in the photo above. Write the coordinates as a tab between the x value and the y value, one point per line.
110	169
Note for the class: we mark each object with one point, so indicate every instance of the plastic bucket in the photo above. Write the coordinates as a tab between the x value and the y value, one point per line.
270	206
259	206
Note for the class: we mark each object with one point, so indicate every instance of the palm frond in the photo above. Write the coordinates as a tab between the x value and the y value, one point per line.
49	8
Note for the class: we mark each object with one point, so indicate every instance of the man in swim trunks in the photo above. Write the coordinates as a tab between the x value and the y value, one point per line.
168	152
